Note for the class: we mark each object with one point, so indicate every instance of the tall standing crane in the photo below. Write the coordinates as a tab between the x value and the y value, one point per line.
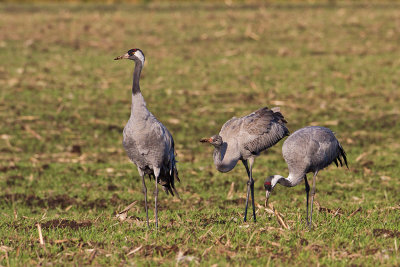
147	141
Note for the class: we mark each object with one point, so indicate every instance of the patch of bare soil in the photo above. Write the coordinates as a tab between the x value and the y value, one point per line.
386	233
32	200
7	168
66	224
15	180
303	242
62	201
112	187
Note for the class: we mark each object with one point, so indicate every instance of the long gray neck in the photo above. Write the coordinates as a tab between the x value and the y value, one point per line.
290	181
223	160
138	109
217	156
136	77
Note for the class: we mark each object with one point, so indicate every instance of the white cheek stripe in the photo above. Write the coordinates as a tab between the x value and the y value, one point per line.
140	56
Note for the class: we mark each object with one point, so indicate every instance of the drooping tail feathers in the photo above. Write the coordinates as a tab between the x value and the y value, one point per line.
177	178
342	154
167	179
173	175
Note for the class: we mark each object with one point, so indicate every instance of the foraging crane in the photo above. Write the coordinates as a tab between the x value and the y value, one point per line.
309	149
147	141
244	139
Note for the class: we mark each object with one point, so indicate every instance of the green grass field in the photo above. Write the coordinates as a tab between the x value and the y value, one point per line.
64	102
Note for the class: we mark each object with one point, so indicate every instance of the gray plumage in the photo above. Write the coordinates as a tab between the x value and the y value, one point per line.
150	147
244	139
309	149
147	141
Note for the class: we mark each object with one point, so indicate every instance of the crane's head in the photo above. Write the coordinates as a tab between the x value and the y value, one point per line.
215	140
133	54
269	184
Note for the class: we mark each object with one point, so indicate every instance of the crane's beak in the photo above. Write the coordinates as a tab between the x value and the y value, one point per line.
206	140
267	193
122	57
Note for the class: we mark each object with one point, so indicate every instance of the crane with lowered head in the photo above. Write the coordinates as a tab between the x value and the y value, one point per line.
309	149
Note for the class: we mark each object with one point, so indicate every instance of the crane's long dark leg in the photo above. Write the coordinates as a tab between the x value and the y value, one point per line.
156	174
145	199
307	194
155	202
251	161
248	188
312	197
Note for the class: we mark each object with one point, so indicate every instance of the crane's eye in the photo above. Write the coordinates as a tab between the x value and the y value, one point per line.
132	51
